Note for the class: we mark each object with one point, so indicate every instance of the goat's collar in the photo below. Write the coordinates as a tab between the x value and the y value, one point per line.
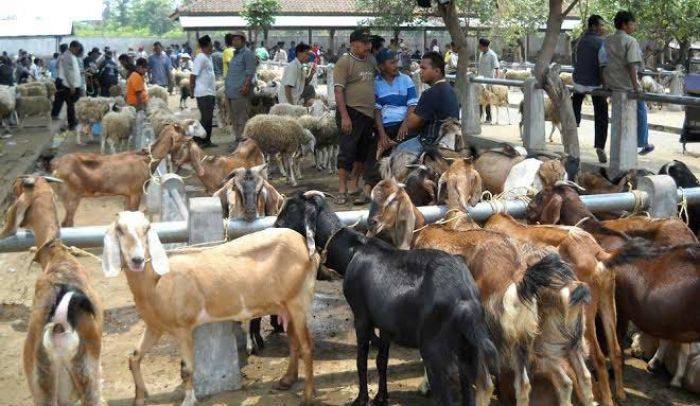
324	251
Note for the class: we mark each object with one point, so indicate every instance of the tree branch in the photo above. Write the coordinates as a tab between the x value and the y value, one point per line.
568	9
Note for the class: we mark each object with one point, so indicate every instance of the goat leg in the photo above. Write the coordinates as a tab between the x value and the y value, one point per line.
608	316
656	362
683	353
276	325
434	360
583	376
292	373
484	386
186	341
382	397
299	328
148	340
362	333
521	381
254	337
85	374
597	358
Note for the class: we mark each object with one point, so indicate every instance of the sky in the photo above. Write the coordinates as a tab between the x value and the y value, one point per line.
76	10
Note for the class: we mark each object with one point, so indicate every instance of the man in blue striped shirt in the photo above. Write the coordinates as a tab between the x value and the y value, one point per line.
395	96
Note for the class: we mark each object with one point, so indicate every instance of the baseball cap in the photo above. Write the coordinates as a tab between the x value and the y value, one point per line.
238	34
360	34
384	55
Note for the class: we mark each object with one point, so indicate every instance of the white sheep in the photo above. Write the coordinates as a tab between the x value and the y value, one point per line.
117	126
33	106
567	78
159	92
8	102
269	75
518	74
286	109
32	89
222	105
90	110
280	135
325	131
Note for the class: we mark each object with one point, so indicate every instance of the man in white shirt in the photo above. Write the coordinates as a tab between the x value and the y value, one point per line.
203	87
294	79
488	67
69	83
281	55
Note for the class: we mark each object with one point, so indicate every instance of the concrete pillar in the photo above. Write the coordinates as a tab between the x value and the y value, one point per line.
153	191
217	346
330	85
425	40
676	88
471	121
310	36
173	201
331	41
533	116
623	134
662	195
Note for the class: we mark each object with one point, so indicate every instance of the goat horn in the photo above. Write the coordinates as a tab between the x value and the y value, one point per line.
52	179
312	193
570	184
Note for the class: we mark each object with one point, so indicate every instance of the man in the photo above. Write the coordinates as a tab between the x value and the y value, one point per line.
217	59
239	83
622	61
136	92
203	87
396	98
435	105
451	58
6	74
69	83
281	54
588	77
53	65
291	53
353	75
261	52
294	79
159	66
488	68
108	74
228	52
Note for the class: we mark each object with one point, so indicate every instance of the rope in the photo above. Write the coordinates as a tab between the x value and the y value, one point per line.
445	221
683	211
638	205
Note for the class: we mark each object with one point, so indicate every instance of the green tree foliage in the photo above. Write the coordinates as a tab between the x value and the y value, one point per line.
392	13
260	14
515	19
133	18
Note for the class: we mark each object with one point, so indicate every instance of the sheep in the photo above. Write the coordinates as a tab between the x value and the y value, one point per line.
31	89
649	85
8	101
50	87
261	103
279	135
158	92
161	118
268	75
222	103
268	272
567	78
179	75
115	90
518	74
29	106
286	109
325	131
90	110
496	96
117	126
61	355
184	91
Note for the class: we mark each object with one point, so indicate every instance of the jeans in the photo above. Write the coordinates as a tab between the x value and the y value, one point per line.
205	104
600	111
413	145
642	124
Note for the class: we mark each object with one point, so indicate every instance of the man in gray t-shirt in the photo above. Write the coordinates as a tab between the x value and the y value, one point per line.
487	67
239	83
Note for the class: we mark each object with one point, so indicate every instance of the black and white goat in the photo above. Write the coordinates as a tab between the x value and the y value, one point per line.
424	299
684	178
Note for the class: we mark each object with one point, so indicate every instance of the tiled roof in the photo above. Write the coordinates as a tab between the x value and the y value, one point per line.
306	7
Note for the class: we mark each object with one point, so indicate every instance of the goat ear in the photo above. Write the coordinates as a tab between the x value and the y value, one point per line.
111	254
235	203
159	259
552	210
476	188
429	187
15	216
310	228
405	223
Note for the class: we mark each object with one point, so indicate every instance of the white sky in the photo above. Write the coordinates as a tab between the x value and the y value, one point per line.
76	10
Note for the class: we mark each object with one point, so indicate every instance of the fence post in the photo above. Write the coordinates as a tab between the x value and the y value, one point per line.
330	85
676	88
153	190
217	346
533	116
471	119
662	195
623	133
173	201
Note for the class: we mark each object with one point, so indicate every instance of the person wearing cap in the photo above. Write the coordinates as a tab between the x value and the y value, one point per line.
203	87
239	83
108	74
294	79
353	75
159	66
396	97
69	82
185	61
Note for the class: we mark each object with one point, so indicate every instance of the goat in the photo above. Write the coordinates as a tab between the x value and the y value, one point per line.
532	174
496	96
396	292
494	165
246	195
212	170
268	272
421	185
124	174
509	289
550	114
581	250
684	178
61	355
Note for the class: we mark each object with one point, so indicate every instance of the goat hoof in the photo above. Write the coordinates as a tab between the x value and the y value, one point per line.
285	383
380	401
676	382
655	367
361	401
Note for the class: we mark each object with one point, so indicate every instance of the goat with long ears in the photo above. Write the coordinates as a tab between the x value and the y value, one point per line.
61	355
268	272
246	194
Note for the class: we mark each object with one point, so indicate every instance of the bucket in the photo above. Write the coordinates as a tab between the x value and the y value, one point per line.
96	130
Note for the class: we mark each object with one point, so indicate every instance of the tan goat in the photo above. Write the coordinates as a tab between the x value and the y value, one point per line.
496	96
550	114
587	258
268	272
91	175
212	170
247	195
61	355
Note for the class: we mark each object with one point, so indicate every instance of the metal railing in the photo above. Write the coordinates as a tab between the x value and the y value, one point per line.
177	231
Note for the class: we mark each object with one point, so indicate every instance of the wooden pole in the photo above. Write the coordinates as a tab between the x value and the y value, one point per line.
331	41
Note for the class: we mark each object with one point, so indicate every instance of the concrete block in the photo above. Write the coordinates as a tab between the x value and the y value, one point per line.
623	134
153	191
219	348
533	116
173	202
662	195
471	122
330	85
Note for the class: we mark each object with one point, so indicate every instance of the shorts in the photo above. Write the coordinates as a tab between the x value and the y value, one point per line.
356	146
371	175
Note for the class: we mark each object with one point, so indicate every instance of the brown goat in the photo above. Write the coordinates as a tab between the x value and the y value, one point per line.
462	183
246	195
587	258
212	170
61	355
91	175
494	166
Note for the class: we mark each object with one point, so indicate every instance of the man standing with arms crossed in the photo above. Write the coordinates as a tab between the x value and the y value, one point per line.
353	76
239	83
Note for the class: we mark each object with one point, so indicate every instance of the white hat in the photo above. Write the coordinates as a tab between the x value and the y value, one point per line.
185	55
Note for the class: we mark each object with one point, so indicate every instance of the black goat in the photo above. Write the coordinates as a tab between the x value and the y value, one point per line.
424	299
684	178
421	185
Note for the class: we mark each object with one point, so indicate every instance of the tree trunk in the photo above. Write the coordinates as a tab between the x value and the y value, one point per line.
451	19
548	79
521	50
683	53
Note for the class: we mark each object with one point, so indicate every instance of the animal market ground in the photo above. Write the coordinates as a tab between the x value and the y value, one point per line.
331	322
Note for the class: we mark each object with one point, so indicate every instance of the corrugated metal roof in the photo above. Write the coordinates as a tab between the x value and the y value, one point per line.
13	26
288	7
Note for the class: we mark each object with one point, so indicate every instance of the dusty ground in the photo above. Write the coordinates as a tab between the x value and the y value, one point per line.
331	324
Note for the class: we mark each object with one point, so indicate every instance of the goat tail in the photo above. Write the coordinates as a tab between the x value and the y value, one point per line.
385	168
60	338
472	322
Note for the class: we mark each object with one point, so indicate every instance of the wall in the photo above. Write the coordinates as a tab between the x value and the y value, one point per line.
46	46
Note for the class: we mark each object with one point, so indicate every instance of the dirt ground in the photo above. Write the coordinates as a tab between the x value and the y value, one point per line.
331	325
